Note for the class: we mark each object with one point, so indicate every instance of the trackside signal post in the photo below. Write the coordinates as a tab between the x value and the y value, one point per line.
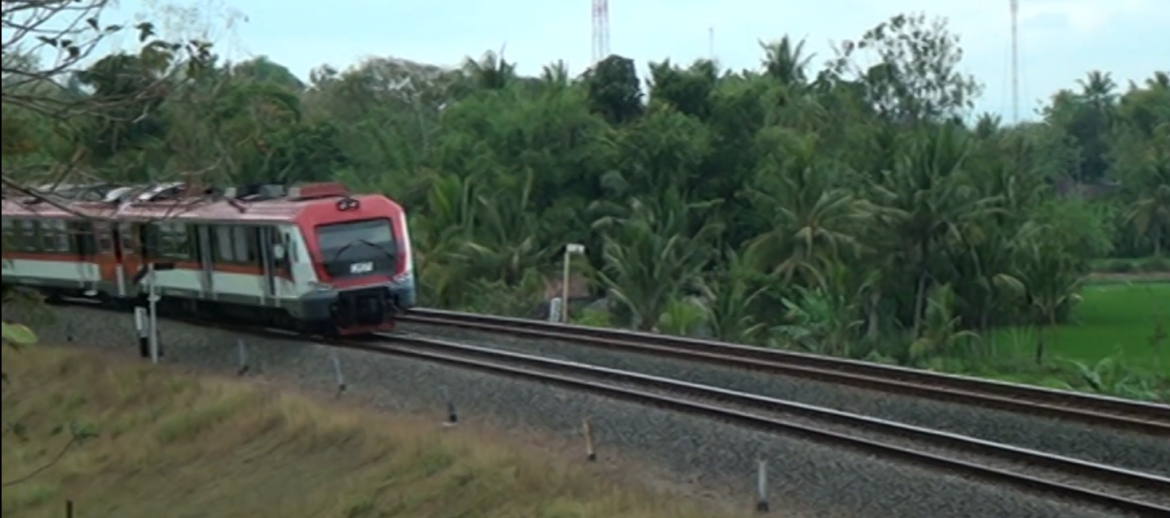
149	274
570	249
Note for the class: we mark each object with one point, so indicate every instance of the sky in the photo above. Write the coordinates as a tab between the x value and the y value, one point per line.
1060	40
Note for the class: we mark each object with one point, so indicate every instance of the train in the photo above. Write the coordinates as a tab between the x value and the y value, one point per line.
313	258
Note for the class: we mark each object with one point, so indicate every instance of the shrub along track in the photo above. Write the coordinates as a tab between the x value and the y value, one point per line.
1134	493
1098	411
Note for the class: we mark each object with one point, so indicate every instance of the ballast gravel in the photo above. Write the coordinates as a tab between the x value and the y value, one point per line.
1129	450
805	479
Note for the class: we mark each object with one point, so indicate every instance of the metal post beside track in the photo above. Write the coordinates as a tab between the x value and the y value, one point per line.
762	486
140	325
152	297
570	249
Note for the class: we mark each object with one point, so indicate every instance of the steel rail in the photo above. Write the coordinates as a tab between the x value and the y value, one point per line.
712	402
1115	413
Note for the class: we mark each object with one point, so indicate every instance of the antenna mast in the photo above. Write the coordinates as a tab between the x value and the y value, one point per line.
1015	63
600	30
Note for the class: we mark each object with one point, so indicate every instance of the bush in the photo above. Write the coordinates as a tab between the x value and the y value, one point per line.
1120	266
1154	265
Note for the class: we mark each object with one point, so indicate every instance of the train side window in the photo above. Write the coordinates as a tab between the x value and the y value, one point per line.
103	238
47	241
244	239
129	243
28	235
62	238
170	240
223	244
9	234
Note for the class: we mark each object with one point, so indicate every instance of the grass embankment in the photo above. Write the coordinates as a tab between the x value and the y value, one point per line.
173	445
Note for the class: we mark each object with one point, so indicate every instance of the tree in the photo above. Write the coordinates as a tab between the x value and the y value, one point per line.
846	208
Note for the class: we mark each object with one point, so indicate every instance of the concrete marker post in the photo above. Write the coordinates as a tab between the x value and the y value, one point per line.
337	371
140	328
452	415
152	297
243	356
587	431
762	486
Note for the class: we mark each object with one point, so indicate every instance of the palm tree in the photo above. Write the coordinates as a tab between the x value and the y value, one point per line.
785	61
1151	213
926	197
491	72
812	219
651	257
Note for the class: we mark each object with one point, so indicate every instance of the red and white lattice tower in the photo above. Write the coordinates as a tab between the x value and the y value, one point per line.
600	30
1015	5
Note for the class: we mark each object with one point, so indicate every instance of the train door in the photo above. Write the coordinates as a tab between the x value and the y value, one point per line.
103	255
282	264
203	254
126	258
268	277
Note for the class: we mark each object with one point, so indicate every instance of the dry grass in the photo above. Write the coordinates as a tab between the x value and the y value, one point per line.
177	446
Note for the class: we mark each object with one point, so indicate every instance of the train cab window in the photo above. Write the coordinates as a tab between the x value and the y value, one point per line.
369	244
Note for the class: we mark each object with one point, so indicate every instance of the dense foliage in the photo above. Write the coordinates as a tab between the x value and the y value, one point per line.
852	208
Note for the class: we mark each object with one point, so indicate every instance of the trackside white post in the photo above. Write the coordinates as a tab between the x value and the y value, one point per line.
762	486
452	416
587	431
140	323
554	310
337	372
243	353
570	249
565	289
152	297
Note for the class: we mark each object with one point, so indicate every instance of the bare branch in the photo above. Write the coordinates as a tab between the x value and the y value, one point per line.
38	471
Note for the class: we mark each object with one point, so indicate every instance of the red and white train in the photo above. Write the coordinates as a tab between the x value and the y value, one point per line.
309	258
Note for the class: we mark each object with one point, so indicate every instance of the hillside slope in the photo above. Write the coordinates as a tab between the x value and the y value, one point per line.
179	446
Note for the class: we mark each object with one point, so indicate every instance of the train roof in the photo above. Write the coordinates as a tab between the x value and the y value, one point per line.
177	201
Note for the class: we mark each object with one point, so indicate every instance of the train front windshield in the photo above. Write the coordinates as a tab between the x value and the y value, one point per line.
357	248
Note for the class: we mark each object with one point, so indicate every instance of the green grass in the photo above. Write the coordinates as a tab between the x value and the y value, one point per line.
1113	320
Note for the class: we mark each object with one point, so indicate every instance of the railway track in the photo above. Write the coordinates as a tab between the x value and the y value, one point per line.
1099	411
1131	492
1088	483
